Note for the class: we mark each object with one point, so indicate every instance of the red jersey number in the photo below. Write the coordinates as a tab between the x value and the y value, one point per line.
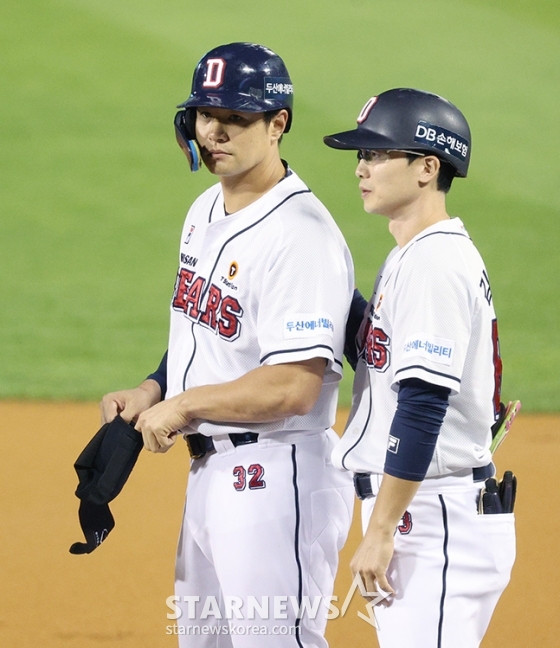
256	471
377	349
497	368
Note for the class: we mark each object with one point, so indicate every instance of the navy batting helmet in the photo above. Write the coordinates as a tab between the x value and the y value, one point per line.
242	76
413	120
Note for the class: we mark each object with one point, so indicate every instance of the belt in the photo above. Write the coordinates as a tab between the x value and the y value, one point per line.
362	485
484	472
362	481
199	444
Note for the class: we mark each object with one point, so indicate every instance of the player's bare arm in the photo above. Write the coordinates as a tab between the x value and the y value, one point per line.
129	403
374	553
267	393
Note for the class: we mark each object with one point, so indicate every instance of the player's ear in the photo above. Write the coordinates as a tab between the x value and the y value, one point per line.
429	168
278	124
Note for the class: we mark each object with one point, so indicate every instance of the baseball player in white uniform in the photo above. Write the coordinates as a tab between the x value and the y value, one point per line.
427	386
258	317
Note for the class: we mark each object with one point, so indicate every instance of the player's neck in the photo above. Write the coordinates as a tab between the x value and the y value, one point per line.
242	190
418	217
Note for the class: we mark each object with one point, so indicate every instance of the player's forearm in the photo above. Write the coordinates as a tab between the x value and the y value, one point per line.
374	553
393	499
268	393
152	389
130	403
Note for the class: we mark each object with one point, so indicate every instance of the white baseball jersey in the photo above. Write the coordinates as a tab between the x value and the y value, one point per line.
431	317
269	284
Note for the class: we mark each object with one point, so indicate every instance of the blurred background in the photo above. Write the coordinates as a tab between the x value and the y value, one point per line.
94	188
93	194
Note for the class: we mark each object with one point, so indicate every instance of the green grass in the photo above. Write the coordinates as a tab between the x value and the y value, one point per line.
94	189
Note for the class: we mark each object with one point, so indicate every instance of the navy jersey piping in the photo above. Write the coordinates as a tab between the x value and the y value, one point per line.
212	208
246	229
435	234
444	571
296	544
436	373
192	357
208	283
315	346
363	429
398	269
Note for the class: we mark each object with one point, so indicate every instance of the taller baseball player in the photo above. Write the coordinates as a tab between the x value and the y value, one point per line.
258	315
427	386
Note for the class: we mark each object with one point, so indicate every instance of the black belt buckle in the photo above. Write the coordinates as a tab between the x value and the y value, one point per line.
362	485
199	445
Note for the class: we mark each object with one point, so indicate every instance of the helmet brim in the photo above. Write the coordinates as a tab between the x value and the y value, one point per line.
243	103
359	138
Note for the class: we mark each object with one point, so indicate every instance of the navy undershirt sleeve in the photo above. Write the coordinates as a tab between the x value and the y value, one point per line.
160	375
416	425
355	317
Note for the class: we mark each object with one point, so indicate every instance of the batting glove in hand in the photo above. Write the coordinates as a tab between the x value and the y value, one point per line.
97	522
103	468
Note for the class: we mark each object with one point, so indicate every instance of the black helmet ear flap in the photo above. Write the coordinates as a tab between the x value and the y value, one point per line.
185	120
186	138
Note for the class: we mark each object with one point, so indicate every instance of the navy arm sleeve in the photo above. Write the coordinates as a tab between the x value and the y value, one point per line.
355	317
160	375
414	432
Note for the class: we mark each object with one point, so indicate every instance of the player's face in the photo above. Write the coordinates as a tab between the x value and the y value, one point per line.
233	142
388	182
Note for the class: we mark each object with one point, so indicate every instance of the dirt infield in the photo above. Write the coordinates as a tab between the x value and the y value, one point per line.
116	595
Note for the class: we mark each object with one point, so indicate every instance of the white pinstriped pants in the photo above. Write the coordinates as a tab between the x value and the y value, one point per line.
259	536
449	568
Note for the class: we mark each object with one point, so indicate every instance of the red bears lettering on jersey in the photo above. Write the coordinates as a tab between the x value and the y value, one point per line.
221	314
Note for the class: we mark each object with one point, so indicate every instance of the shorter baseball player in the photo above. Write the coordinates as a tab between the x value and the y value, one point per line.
258	313
427	386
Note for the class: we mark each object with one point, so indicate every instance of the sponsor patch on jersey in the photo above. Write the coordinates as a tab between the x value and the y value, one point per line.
393	444
303	325
428	346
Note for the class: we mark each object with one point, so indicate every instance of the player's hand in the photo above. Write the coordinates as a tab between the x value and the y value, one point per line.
160	424
372	559
130	403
